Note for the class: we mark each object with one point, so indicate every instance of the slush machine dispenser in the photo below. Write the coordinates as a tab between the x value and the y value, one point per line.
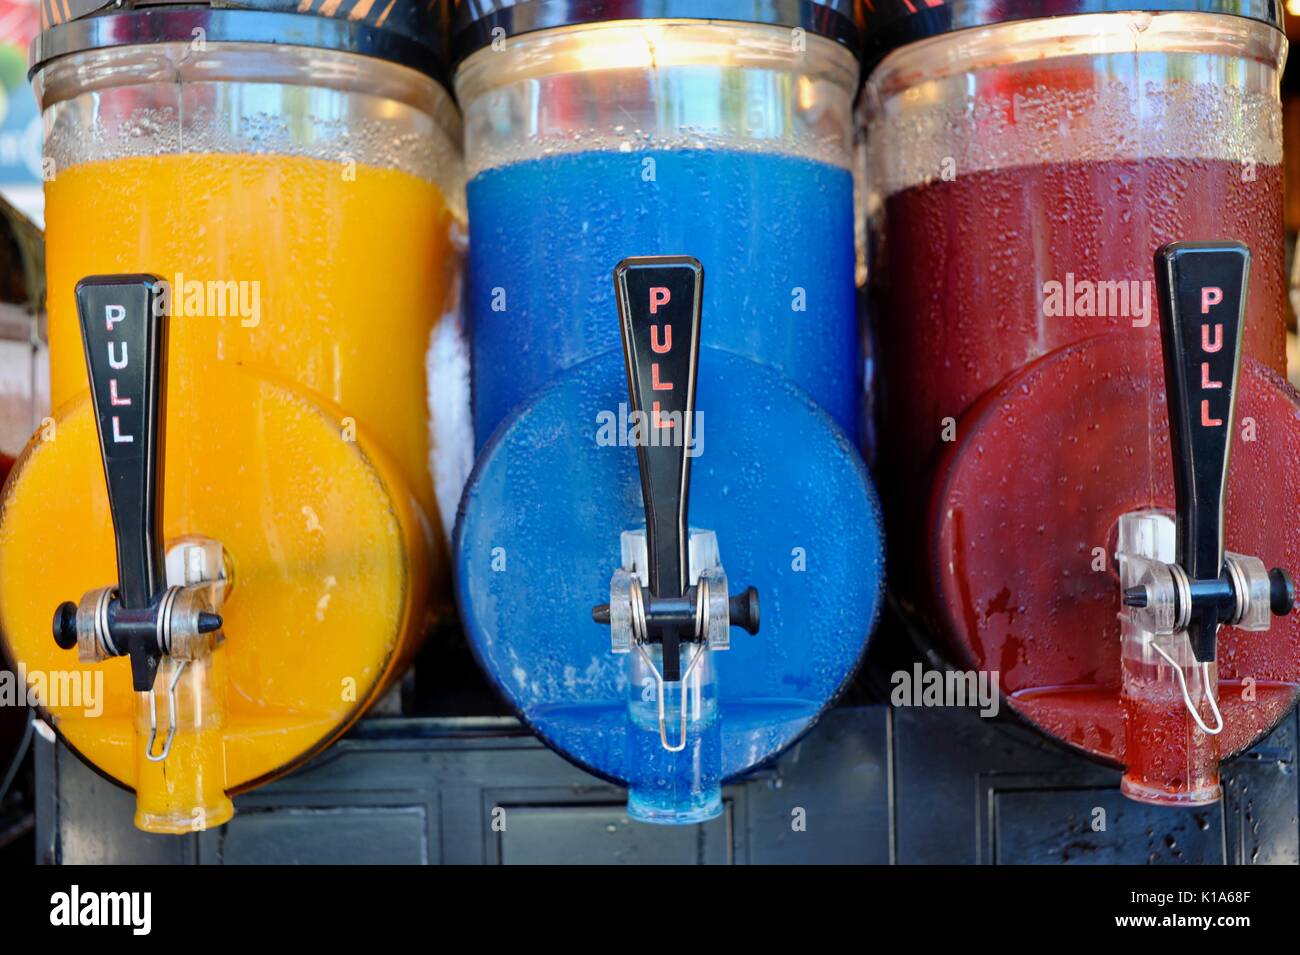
665	383
230	515
1077	266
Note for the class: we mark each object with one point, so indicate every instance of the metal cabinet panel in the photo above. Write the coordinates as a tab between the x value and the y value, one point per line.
867	784
337	835
969	790
1093	825
595	834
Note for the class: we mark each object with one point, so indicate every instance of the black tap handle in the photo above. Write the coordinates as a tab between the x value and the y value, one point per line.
659	305
1202	294
124	330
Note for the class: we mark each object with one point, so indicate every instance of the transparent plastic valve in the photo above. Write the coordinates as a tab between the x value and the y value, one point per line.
180	724
1171	715
185	791
712	584
681	785
1250	576
622	598
673	731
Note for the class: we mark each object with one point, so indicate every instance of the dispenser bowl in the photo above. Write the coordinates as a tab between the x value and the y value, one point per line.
1024	530
329	566
538	537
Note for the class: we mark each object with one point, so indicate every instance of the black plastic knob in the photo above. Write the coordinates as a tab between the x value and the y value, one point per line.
1281	592
65	625
744	610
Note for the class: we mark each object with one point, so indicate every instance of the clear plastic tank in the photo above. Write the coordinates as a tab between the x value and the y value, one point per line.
1020	177
300	202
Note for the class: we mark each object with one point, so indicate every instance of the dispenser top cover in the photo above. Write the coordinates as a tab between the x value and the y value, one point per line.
407	32
890	24
546	504
478	22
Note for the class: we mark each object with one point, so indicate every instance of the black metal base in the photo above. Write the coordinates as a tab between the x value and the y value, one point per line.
870	784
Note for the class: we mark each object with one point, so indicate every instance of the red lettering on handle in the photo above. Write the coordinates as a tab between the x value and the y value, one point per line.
659	296
1205	377
666	345
1206	420
1210	295
1206	344
655	383
659	421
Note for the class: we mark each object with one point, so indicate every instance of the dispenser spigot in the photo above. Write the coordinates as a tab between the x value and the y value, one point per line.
124	330
655	598
1202	297
743	609
1202	294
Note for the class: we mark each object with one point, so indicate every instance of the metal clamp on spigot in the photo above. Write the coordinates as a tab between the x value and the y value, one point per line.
124	330
659	306
1202	295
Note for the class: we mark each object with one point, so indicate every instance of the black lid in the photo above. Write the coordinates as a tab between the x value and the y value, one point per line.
409	32
891	24
475	20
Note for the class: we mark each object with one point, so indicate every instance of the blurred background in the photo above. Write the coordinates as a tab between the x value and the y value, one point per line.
20	124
